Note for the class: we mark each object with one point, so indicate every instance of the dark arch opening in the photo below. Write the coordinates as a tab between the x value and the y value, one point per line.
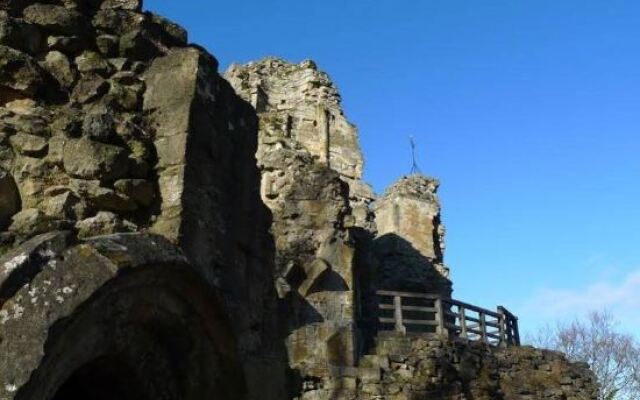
105	378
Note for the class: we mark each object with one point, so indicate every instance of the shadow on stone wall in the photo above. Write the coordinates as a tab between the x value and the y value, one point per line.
401	267
389	262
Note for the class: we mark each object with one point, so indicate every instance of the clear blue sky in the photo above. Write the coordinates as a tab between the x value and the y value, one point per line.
528	112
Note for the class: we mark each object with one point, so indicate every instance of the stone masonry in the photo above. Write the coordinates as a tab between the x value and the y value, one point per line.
311	167
410	242
404	368
167	232
111	124
300	109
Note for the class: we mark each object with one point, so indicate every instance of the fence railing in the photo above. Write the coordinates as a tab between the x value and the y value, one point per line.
406	312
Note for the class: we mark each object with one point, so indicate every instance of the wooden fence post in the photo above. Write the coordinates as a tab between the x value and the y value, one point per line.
441	328
483	327
511	326
502	322
516	332
463	323
397	314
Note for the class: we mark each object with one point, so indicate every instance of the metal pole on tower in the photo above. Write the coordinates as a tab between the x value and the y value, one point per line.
415	169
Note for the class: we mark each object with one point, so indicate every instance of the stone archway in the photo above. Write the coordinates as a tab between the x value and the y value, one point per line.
119	317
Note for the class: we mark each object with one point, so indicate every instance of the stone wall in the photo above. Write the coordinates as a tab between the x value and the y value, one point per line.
300	109
206	139
311	167
111	123
413	368
74	146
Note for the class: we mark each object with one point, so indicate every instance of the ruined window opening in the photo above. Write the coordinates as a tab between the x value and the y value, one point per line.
327	134
289	125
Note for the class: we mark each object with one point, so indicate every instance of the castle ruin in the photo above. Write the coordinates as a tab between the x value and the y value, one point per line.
170	232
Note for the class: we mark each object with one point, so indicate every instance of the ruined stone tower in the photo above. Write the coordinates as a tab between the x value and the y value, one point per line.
311	167
410	241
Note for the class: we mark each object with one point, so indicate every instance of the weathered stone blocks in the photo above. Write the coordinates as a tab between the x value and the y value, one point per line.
140	190
99	126
88	159
56	19
19	72
29	145
92	62
60	68
310	160
410	238
89	88
32	221
133	5
422	368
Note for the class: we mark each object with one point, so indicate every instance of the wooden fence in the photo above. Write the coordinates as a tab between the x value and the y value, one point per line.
406	312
